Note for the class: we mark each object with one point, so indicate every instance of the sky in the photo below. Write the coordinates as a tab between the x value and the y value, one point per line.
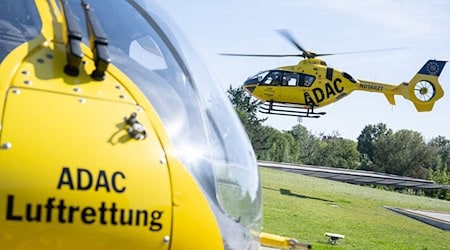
420	28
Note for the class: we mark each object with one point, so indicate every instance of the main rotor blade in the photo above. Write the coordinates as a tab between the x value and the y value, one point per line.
358	52
262	55
286	34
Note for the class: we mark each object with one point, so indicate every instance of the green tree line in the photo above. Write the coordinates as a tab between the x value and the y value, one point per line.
378	148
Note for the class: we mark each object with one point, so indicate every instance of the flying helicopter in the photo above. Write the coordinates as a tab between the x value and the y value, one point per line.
297	90
109	141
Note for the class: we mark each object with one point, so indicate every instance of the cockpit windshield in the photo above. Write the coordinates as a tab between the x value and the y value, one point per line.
206	134
19	23
260	76
202	125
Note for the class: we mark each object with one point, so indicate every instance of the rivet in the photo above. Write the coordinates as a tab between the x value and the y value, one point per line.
16	91
162	160
7	145
24	72
82	100
166	239
40	60
27	82
49	56
122	96
118	87
78	90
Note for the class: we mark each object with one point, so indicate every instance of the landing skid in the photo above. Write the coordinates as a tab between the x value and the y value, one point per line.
290	110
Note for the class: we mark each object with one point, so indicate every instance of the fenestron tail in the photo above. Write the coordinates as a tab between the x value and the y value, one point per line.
424	88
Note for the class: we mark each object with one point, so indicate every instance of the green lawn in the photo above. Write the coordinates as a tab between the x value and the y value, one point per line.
305	208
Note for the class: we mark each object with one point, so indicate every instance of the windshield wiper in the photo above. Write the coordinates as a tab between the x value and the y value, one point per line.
74	36
98	43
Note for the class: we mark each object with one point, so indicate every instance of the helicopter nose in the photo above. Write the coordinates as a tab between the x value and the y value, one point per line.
250	85
249	88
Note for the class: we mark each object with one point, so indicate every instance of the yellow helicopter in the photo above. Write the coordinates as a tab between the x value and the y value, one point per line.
298	90
108	140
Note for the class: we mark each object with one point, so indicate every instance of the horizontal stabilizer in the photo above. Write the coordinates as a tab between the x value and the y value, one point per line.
390	98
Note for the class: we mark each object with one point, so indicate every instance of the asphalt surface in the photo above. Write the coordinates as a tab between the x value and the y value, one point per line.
437	219
435	215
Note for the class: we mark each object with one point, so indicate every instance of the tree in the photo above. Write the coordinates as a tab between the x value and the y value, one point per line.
440	169
247	107
338	152
309	145
403	153
244	102
367	140
442	146
280	146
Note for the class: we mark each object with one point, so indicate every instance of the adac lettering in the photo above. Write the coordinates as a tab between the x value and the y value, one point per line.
320	94
86	180
66	211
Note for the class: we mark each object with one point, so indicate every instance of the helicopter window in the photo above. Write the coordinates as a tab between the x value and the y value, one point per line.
273	78
19	23
309	80
289	79
306	80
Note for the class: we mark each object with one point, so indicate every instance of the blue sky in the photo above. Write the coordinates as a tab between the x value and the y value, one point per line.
422	28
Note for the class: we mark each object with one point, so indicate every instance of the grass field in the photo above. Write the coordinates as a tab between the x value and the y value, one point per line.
306	207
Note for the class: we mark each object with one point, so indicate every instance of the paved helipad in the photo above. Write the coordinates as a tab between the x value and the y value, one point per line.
437	219
436	215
